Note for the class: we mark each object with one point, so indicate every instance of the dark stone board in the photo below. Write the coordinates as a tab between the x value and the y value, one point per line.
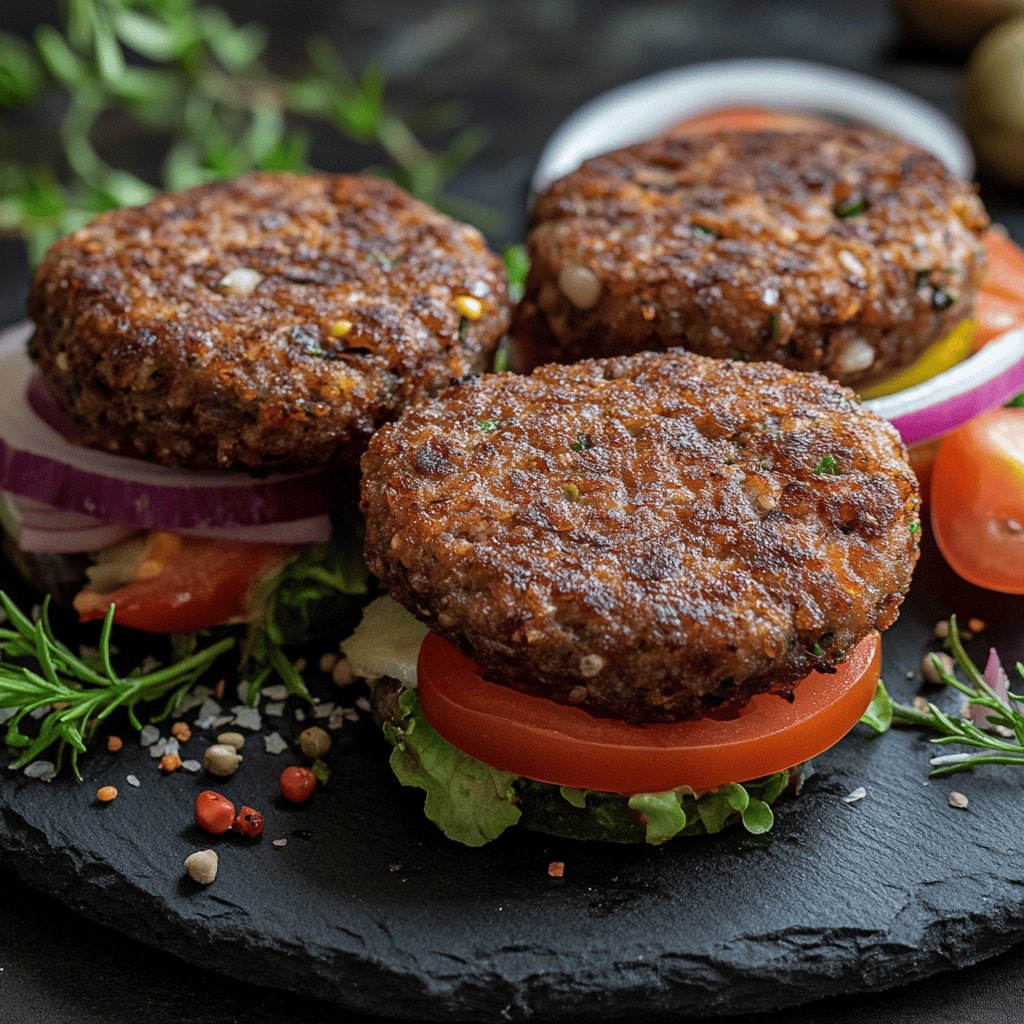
370	908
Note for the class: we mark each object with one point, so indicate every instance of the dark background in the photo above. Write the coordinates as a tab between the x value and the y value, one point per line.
518	68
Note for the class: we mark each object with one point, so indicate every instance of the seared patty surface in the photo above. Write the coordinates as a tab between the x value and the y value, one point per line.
269	322
843	250
647	535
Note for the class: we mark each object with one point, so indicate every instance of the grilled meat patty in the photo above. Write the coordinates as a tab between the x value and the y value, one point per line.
647	535
271	322
843	250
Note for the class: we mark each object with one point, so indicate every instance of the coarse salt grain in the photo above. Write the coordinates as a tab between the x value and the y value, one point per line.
133	780
958	800
279	842
324	710
42	770
336	719
148	736
363	704
856	795
278	691
247	718
191	765
275	743
274	708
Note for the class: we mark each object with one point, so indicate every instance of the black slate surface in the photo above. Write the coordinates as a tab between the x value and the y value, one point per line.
371	909
519	69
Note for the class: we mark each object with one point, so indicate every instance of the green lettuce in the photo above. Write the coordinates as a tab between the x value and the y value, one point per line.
473	803
469	801
319	592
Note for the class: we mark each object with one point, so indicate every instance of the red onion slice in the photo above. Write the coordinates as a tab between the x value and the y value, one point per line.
43	529
935	406
38	462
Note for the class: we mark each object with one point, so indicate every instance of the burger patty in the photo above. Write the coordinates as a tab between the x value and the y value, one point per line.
648	535
843	250
270	322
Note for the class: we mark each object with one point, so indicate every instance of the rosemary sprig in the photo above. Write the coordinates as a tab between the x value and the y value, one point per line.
183	75
38	671
1006	717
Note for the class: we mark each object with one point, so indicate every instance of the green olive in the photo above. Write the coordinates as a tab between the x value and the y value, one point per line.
953	26
994	101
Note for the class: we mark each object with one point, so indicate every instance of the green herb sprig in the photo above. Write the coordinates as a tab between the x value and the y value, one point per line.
885	712
38	671
182	74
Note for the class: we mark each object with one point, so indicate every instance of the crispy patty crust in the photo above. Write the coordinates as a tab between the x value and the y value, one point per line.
646	535
270	322
843	250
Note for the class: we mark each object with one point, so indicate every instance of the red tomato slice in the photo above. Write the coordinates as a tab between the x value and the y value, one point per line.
565	746
1000	303
185	583
978	500
745	119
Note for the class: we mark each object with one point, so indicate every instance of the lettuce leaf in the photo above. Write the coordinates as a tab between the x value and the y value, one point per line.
322	590
469	801
473	803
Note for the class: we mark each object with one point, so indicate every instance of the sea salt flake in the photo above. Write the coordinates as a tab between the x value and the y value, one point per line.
274	708
858	794
279	842
222	720
336	719
42	770
243	691
247	718
324	710
148	736
278	691
191	766
209	708
158	749
194	699
362	703
275	743
300	715
132	780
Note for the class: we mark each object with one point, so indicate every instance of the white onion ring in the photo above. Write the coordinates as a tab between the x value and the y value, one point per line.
36	461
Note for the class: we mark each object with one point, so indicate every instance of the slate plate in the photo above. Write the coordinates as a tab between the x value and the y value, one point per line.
370	908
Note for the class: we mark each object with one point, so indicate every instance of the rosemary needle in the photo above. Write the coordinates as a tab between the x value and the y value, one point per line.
38	672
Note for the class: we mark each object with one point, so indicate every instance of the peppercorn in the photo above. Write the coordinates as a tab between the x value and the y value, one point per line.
214	813
221	760
297	784
181	732
202	866
249	823
232	739
170	763
106	793
114	744
315	742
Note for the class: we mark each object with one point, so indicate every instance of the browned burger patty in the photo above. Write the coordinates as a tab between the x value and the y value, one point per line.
270	322
644	535
843	250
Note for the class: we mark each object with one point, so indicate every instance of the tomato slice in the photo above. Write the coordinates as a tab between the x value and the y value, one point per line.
182	584
1000	303
977	494
745	119
566	746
